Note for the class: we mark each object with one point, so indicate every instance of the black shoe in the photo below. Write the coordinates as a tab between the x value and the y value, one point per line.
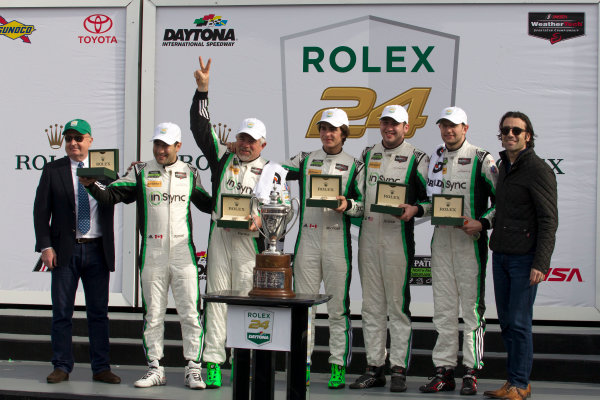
469	385
398	379
442	381
373	377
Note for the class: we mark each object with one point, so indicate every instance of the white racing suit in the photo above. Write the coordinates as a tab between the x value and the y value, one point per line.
386	253
167	255
458	261
231	252
323	249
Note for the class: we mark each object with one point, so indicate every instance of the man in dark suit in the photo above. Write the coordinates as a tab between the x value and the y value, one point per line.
75	236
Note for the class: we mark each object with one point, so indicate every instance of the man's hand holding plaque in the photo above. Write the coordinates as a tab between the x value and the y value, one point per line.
447	210
325	191
390	198
104	164
235	210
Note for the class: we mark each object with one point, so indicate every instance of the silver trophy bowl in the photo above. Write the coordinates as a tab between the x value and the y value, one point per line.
275	217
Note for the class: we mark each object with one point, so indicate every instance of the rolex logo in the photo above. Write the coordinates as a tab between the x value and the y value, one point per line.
55	137
222	132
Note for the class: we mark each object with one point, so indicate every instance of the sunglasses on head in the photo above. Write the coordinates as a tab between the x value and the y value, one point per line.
77	138
505	130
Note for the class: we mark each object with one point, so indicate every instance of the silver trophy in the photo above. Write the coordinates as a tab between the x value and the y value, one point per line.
272	275
275	217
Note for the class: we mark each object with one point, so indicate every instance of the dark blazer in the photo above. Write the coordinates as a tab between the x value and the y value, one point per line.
54	215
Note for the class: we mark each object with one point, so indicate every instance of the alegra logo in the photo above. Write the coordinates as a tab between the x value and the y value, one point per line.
98	23
259	326
16	30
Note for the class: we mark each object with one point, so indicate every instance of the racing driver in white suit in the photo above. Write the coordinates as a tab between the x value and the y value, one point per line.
386	250
163	189
231	252
459	254
323	248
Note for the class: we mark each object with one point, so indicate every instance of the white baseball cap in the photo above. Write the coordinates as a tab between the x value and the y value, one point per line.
335	117
395	112
455	115
167	132
253	127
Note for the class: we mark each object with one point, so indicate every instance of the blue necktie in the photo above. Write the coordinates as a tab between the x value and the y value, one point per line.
83	208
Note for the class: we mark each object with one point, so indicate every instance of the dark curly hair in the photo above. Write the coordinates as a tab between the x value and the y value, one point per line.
524	118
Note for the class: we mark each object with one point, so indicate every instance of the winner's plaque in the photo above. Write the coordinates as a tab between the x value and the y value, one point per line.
447	210
389	196
323	191
104	164
235	210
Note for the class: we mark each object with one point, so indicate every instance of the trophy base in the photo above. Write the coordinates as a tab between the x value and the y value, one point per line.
272	276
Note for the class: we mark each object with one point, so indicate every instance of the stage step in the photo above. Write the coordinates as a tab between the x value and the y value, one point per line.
562	353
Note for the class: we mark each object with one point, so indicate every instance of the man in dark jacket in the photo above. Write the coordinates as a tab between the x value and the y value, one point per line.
76	239
522	241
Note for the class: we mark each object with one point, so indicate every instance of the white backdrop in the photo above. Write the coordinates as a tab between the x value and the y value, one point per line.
74	66
481	58
275	62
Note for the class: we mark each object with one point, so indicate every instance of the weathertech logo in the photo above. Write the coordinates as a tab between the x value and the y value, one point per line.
97	25
16	30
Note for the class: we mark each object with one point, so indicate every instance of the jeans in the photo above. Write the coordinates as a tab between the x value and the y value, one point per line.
88	264
514	303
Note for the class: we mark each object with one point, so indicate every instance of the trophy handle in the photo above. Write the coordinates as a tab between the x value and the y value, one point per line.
253	216
297	214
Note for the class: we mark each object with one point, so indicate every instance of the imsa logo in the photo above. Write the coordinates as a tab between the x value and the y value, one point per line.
259	326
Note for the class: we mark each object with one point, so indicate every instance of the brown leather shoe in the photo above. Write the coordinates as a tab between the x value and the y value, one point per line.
528	391
499	393
107	377
58	375
515	393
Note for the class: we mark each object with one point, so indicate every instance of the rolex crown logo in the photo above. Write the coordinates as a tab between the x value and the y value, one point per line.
222	132
55	137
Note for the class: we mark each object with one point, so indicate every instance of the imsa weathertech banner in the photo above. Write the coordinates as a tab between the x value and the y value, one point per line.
286	64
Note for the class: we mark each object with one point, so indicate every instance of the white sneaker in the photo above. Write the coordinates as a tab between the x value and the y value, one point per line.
155	376
193	376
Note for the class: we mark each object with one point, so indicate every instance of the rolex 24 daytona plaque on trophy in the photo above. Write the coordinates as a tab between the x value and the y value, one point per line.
272	273
104	163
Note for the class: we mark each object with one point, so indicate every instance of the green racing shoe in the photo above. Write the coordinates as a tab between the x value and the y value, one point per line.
213	375
338	377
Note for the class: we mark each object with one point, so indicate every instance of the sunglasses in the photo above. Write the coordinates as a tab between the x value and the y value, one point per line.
77	138
505	130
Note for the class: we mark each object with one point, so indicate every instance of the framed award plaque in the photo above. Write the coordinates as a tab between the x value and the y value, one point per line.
235	210
103	164
447	209
389	196
323	191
